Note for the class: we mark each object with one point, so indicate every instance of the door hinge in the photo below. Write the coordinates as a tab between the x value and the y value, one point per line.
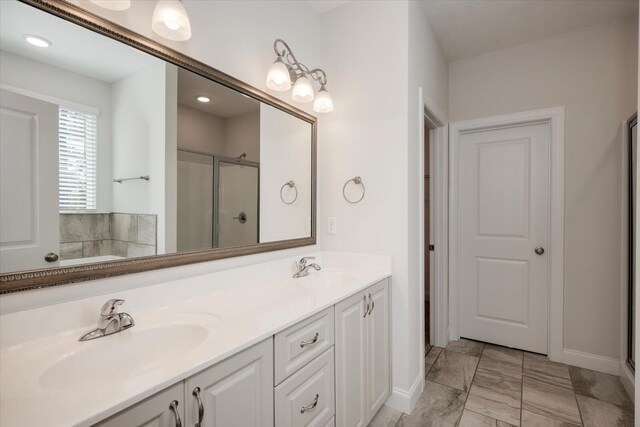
432	248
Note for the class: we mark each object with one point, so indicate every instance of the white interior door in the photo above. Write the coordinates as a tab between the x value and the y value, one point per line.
504	219
29	214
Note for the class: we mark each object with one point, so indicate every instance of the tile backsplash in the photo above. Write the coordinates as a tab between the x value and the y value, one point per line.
84	235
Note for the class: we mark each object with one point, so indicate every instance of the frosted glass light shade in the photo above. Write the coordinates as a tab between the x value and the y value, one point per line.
113	4
302	90
170	20
278	77
323	102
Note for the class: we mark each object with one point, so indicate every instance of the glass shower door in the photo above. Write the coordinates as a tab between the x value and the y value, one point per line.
195	201
237	203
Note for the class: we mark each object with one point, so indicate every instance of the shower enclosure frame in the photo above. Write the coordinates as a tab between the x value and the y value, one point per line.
217	159
631	211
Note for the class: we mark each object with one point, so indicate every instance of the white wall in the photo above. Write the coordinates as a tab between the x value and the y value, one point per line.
79	91
429	70
377	54
242	135
593	73
200	131
285	155
144	143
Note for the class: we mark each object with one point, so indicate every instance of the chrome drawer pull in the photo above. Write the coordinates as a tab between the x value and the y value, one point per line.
366	309
373	304
310	407
196	393
311	341
174	408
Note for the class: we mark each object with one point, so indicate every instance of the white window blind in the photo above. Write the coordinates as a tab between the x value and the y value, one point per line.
77	160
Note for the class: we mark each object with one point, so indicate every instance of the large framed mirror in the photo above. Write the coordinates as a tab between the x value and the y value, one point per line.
120	155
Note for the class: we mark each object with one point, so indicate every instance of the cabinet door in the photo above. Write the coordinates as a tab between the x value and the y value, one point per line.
236	392
378	348
351	359
156	411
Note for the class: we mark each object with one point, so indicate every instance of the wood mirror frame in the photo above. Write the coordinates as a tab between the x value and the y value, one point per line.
34	279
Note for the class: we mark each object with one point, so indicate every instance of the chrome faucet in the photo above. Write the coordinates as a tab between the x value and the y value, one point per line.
303	267
110	321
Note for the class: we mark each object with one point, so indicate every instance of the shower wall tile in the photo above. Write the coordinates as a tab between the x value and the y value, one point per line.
119	248
125	227
147	226
136	250
96	248
82	227
70	250
84	235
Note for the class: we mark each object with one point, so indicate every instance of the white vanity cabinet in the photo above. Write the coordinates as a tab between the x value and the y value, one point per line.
362	355
329	369
237	392
164	409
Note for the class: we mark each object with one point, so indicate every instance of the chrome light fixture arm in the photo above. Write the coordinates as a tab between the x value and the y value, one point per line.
297	68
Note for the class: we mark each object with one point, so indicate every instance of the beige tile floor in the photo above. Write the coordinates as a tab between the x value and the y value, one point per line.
470	383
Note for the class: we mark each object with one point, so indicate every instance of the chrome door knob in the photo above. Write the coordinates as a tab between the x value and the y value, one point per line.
539	250
51	257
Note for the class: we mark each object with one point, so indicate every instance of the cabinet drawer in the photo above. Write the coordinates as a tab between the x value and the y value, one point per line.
307	397
298	345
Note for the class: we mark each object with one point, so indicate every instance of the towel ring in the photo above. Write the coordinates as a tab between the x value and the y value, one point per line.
356	180
290	184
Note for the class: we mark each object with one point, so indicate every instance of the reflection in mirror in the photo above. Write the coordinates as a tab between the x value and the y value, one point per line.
110	153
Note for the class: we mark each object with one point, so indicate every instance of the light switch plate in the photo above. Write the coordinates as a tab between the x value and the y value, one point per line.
332	225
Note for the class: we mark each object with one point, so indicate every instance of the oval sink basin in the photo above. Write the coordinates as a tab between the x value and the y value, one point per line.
325	279
123	355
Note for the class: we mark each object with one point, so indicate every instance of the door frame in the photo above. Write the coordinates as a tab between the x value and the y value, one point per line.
439	149
626	374
555	118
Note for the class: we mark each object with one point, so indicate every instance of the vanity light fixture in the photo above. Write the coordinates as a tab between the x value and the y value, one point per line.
37	40
170	20
113	4
203	99
286	70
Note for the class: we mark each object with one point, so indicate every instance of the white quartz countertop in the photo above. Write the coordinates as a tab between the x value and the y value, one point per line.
55	380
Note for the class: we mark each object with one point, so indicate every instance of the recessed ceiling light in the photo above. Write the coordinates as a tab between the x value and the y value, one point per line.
203	99
37	41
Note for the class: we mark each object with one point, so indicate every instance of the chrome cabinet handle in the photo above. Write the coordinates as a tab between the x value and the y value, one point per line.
311	341
366	309
196	393
311	406
174	408
373	304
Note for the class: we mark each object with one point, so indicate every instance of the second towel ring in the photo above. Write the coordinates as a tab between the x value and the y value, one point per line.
356	180
290	184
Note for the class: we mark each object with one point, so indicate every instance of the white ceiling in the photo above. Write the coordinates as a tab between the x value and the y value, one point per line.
322	6
73	48
466	28
224	102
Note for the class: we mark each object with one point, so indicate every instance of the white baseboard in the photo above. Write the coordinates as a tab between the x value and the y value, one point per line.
608	365
404	401
626	376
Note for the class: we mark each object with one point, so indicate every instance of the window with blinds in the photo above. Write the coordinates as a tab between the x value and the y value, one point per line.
77	160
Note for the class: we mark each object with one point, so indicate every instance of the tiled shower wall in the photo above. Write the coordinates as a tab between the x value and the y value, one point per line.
85	235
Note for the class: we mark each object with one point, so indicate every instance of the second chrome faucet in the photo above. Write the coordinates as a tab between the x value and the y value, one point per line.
303	267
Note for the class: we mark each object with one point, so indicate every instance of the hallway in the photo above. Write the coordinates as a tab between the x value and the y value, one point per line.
475	384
